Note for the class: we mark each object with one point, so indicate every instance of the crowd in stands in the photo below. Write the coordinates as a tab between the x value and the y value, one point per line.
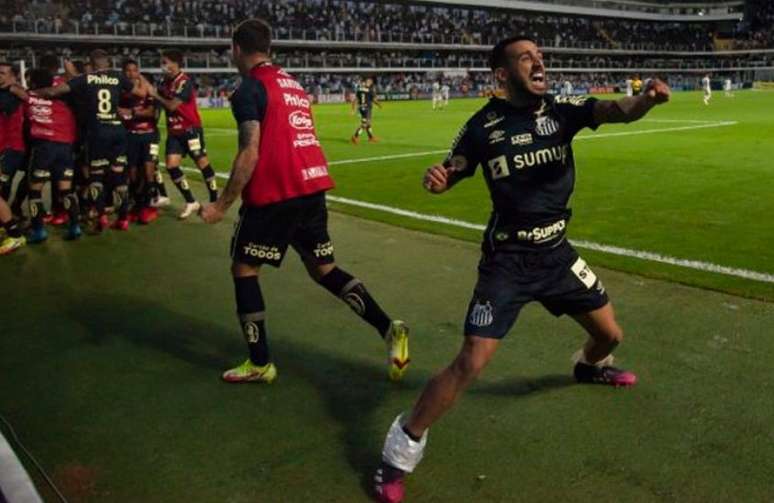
348	20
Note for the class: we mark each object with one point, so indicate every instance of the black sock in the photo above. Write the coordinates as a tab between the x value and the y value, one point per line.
119	191
212	183
5	187
96	191
56	200
353	292
251	312
369	132
22	190
71	206
178	178
37	209
358	132
12	228
160	187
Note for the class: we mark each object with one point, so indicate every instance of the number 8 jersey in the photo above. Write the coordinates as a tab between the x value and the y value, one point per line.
99	93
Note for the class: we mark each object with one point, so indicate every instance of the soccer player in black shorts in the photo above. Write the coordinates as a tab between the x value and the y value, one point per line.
282	175
365	99
99	93
523	146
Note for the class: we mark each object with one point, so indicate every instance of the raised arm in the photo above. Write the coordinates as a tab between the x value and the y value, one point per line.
53	92
632	108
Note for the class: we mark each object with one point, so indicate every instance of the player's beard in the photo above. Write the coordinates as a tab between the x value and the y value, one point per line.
518	90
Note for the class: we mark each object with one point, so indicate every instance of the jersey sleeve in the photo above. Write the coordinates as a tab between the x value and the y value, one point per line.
577	112
8	102
249	101
183	90
77	84
465	145
126	84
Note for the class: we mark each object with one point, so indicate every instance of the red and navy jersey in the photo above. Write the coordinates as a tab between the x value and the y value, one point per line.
50	120
291	163
186	116
11	122
140	124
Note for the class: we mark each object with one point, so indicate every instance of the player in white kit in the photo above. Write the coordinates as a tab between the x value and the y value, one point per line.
629	91
705	83
727	88
436	95
445	95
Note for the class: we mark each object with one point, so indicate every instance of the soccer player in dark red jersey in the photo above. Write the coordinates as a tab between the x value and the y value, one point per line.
52	133
13	148
140	117
282	176
185	136
523	145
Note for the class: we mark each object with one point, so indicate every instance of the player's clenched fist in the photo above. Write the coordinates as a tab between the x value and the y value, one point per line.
436	179
658	91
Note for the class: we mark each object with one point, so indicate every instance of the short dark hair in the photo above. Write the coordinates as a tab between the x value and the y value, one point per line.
175	55
127	62
498	57
49	62
9	65
40	77
98	55
253	35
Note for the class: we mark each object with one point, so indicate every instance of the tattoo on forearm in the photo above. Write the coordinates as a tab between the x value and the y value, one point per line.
244	164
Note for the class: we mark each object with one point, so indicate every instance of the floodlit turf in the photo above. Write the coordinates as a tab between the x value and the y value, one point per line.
111	348
701	193
111	351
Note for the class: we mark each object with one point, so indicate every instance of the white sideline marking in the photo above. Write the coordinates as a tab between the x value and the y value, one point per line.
588	245
15	483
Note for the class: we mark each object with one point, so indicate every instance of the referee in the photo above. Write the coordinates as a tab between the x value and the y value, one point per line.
282	176
523	145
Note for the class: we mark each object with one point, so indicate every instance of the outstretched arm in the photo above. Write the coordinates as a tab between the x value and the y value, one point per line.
241	172
632	108
53	92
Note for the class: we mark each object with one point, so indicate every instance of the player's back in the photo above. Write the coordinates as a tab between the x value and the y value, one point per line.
99	93
364	96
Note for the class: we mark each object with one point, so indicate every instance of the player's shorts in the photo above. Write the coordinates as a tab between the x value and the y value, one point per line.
262	235
11	162
190	142
365	113
50	160
142	148
557	278
106	146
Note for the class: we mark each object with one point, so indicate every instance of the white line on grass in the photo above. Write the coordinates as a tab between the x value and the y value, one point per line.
588	245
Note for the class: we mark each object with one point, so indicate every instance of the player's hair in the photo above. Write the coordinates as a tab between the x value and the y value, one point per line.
253	35
127	62
40	77
98	55
14	70
175	55
49	62
498	57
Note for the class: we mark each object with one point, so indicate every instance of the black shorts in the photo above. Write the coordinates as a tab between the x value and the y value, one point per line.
190	142
557	278
262	235
142	148
50	160
11	162
365	114
106	147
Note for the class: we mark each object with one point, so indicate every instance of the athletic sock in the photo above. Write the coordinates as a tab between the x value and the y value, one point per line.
22	191
212	183
71	205
37	209
358	132
251	312
178	178
370	132
160	187
120	194
12	228
354	293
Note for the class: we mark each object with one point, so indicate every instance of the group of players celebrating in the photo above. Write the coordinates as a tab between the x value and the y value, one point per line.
522	142
92	133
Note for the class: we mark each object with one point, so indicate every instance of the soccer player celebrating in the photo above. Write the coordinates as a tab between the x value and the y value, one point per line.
282	175
12	144
98	94
522	143
184	129
52	131
365	99
140	120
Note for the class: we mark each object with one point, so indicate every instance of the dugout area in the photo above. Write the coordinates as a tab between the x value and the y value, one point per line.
111	351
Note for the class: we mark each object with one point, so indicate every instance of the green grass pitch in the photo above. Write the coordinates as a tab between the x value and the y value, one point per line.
111	348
